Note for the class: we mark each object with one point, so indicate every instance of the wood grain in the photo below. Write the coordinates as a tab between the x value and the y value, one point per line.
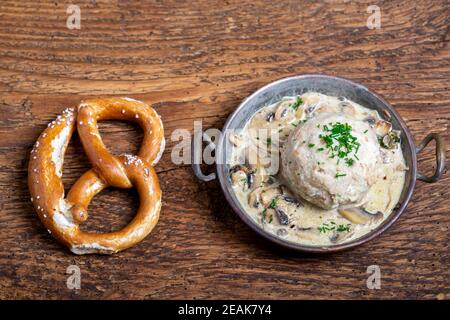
198	60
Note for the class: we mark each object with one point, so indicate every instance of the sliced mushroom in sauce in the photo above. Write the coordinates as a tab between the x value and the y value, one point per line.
270	116
254	198
269	194
284	111
236	139
391	140
382	127
339	237
282	217
360	216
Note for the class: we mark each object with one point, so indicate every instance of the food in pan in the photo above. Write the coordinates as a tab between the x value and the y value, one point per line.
340	169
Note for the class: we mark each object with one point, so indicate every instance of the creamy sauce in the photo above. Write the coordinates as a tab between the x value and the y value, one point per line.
265	196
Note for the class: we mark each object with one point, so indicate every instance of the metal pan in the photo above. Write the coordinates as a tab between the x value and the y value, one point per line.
333	86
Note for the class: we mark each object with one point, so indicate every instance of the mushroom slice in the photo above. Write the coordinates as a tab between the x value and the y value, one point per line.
254	198
311	234
256	177
339	237
236	139
382	127
251	179
291	200
391	140
347	108
238	167
299	114
268	194
386	114
239	177
270	116
310	108
284	110
282	217
327	107
360	216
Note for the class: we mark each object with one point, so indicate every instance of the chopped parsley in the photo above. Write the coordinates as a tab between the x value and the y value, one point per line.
311	145
273	203
264	214
269	142
332	226
297	103
343	228
340	143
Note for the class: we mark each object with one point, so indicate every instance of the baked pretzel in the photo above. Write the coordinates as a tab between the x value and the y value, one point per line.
63	216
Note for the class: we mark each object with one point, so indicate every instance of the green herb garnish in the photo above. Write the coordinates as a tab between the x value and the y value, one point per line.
297	103
273	203
332	226
311	145
343	228
340	175
340	142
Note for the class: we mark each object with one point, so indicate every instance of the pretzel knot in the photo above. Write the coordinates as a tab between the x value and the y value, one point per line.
63	216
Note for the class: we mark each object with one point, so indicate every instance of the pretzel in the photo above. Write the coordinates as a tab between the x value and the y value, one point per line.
62	216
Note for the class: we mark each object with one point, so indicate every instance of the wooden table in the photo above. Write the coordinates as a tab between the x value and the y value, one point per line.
197	60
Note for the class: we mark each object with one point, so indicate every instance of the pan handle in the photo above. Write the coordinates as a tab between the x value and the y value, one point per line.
196	158
440	157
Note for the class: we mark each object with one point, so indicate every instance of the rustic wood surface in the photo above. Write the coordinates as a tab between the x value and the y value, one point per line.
198	60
